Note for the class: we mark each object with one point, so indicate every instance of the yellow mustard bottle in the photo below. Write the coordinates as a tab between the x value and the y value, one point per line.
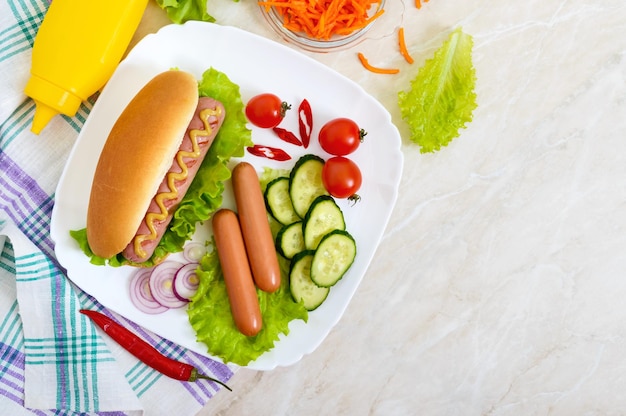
77	48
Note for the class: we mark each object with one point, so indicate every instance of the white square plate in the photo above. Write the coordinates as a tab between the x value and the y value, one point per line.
257	65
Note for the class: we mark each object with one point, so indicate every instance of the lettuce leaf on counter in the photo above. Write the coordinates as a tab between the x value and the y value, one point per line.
205	193
442	98
180	11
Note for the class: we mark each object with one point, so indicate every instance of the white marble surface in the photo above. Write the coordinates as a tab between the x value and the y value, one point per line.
499	286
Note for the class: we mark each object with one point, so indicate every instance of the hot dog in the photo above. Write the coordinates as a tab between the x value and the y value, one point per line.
201	131
147	164
231	251
255	228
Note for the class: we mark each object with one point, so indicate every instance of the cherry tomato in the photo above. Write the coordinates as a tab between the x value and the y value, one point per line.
341	177
266	110
341	136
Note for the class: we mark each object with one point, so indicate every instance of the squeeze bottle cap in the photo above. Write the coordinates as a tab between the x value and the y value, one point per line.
50	100
43	115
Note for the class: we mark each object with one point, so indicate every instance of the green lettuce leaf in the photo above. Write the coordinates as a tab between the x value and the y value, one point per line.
205	193
210	316
441	98
209	310
180	11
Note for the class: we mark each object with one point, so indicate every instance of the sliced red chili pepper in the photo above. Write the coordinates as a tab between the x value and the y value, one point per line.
287	136
305	122
268	152
146	352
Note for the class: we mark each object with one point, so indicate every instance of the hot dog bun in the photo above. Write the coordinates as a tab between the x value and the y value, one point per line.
135	158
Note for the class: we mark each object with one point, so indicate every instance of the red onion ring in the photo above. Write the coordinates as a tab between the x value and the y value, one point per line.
140	294
162	286
186	281
194	251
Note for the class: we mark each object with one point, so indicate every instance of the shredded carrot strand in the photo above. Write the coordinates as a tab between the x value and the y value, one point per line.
402	44
322	19
375	69
418	3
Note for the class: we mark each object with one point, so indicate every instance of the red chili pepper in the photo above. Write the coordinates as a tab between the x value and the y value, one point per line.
268	152
287	136
306	124
145	352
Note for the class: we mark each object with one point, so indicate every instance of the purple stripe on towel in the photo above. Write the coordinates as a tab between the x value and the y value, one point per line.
13	358
59	329
29	206
11	373
12	397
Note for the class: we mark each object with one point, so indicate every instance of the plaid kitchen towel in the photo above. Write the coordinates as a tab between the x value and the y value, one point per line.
65	363
53	361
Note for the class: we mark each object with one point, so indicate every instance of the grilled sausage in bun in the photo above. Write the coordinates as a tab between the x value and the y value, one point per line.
151	155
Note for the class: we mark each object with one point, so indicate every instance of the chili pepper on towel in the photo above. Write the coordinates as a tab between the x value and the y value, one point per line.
145	352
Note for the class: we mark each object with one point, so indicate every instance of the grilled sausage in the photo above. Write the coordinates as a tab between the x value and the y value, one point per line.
244	303
255	228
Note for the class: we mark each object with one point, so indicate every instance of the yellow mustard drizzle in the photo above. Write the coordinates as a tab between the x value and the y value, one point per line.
152	217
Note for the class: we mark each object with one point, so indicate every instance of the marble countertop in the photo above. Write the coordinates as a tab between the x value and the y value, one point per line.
499	285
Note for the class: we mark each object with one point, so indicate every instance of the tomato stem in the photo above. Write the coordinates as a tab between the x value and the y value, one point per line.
354	199
362	134
284	107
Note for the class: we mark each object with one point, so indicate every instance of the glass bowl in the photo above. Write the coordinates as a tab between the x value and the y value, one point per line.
382	26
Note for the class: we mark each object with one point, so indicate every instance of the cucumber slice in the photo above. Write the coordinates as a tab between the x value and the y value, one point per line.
278	201
305	183
300	284
333	257
289	240
323	216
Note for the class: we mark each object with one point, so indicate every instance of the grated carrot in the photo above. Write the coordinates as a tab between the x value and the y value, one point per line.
418	3
374	69
321	19
402	44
